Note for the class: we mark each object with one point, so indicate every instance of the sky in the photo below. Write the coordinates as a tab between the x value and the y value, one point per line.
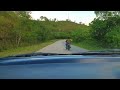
78	16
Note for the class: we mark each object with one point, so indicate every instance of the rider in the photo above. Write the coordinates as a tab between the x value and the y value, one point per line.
68	42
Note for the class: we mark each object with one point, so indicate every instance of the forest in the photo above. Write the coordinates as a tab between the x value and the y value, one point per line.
18	29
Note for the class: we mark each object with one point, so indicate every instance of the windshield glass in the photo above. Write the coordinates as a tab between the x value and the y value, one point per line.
61	32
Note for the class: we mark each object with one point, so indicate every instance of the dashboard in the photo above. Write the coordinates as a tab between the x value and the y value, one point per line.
61	67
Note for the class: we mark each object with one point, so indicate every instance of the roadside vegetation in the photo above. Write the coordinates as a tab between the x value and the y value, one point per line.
102	33
18	30
25	49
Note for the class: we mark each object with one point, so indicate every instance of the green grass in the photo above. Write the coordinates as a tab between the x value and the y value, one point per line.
24	50
89	45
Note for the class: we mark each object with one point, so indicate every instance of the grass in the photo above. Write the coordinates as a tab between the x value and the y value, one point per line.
24	50
89	45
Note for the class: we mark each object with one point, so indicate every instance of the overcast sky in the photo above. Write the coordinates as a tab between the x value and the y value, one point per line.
78	16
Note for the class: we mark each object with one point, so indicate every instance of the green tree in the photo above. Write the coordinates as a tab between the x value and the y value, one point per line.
103	15
43	18
24	14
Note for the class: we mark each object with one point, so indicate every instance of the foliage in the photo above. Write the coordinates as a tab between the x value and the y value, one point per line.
17	29
81	34
112	38
106	29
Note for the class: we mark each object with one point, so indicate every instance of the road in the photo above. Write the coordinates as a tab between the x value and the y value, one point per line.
59	47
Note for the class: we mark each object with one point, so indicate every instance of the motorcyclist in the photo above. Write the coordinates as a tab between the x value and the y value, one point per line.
68	42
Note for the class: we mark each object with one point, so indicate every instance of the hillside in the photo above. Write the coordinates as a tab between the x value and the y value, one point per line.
18	29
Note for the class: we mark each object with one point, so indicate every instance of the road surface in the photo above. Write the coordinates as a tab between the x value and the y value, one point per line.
59	47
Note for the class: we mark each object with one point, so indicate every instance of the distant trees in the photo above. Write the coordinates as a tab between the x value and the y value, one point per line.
43	18
18	29
81	33
54	19
80	22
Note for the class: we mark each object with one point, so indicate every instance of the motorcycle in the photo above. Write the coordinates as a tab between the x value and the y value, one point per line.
68	46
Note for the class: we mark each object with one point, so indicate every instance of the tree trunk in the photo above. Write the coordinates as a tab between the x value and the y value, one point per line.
19	39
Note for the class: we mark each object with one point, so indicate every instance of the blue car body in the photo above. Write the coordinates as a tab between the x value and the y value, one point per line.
61	67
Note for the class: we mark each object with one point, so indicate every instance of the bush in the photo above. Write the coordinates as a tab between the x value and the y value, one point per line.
112	38
80	34
98	29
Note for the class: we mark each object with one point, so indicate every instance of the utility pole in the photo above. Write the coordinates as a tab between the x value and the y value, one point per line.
68	15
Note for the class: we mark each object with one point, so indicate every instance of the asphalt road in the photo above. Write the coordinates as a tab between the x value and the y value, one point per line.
59	47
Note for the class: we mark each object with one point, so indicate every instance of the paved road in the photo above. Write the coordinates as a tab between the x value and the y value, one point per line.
59	47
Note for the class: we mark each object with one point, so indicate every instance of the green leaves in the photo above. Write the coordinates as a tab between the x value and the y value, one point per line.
23	14
113	37
81	34
18	29
104	15
106	29
99	29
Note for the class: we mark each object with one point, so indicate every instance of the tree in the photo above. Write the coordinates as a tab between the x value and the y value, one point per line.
24	14
99	29
80	22
103	15
54	19
43	18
